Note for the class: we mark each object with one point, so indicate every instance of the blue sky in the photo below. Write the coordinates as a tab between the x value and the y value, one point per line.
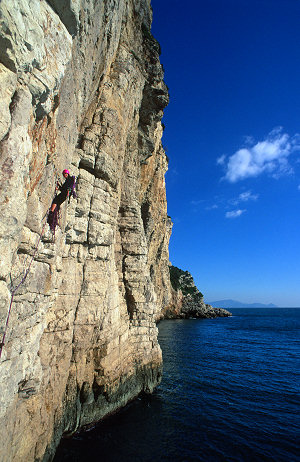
233	139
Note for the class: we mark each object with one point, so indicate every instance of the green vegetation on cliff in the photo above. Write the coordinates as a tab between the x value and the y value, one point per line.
183	280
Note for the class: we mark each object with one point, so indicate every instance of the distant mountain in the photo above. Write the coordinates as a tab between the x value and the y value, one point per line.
236	304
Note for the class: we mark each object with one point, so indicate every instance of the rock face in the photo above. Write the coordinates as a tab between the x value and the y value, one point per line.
81	88
187	302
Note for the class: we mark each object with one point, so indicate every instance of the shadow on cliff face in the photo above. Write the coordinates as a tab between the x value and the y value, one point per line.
114	439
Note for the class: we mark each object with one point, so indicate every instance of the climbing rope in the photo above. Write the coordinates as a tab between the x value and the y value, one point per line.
13	290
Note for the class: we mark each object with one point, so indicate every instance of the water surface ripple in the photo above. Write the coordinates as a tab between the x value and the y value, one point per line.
230	392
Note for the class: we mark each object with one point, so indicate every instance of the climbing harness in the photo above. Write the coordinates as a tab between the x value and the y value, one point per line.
25	274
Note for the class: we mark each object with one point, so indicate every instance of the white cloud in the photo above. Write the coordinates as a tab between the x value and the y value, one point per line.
270	155
248	196
299	187
212	207
234	213
244	197
221	160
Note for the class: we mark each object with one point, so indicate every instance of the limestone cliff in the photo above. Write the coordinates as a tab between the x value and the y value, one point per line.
81	87
186	300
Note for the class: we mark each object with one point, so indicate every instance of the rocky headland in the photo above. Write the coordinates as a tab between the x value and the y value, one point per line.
81	87
187	301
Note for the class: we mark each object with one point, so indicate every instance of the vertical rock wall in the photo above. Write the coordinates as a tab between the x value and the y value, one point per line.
81	87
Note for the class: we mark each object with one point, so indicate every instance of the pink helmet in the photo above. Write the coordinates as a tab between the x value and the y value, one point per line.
66	171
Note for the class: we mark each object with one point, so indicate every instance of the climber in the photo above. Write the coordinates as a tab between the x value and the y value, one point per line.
67	190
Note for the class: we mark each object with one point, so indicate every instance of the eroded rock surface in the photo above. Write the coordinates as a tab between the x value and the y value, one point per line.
81	88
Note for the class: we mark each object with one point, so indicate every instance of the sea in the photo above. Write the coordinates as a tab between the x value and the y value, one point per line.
230	392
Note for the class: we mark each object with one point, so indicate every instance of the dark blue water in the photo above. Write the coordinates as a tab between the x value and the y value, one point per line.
230	392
